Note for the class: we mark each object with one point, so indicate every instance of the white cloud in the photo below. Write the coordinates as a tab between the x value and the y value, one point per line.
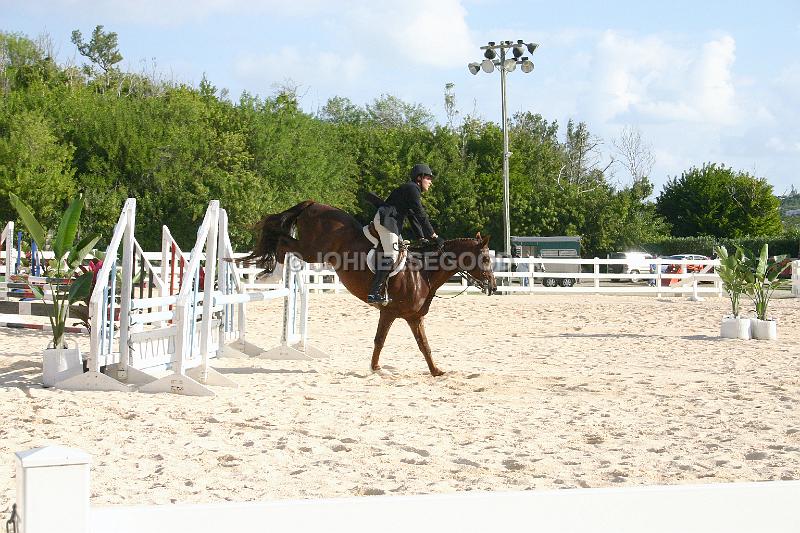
423	32
779	144
406	44
177	12
627	72
428	33
711	82
288	64
656	80
788	81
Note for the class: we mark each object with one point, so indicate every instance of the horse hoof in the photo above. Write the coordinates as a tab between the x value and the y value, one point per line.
382	372
436	372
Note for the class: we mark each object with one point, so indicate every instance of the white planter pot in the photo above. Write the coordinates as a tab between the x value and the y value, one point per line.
735	328
764	329
59	364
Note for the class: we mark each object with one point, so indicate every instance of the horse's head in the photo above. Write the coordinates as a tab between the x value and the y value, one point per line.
480	270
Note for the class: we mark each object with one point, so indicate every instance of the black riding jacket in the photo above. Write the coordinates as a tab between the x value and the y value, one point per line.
406	202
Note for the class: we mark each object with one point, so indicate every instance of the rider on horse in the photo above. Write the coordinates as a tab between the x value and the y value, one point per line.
404	202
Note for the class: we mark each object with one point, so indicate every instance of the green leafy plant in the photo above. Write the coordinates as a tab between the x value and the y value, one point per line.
762	279
732	272
67	284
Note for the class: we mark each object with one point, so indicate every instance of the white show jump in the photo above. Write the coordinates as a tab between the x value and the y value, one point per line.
179	332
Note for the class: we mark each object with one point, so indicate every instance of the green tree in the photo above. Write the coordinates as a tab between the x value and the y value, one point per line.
391	111
101	49
173	145
23	62
790	209
295	155
340	110
35	166
718	201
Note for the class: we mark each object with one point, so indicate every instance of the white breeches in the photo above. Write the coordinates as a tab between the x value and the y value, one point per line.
390	242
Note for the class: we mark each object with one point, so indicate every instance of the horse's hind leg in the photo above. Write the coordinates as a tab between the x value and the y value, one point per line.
418	329
384	323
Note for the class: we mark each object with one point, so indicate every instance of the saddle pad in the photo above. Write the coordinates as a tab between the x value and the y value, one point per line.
372	236
400	263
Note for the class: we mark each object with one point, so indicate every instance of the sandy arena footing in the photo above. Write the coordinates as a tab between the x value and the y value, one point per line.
540	392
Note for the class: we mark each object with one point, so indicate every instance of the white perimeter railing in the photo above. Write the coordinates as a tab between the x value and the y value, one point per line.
532	274
53	490
796	278
527	275
583	276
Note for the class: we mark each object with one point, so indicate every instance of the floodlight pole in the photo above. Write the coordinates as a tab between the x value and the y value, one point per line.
506	155
488	65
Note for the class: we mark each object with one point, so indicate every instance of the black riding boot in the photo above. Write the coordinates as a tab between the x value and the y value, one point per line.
376	291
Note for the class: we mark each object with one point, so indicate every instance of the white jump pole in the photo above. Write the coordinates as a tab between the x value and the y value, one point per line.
123	371
303	295
8	238
101	316
293	345
227	273
203	373
179	382
695	297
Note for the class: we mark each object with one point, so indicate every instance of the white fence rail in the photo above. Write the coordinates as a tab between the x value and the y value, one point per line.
796	278
53	489
531	275
587	276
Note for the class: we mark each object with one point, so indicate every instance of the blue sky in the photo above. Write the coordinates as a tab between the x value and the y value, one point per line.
701	81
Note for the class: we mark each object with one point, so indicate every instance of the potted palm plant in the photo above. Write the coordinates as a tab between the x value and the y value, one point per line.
731	271
762	280
64	282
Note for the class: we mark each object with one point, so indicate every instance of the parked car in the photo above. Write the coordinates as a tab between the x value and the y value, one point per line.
786	273
636	263
690	268
676	268
553	282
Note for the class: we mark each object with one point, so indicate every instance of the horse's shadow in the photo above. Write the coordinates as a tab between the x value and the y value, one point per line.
25	372
21	374
249	370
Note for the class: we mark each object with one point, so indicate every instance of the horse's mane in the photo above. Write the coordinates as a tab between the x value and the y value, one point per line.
463	240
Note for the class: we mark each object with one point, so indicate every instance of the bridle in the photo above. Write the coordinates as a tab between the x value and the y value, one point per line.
472	281
482	284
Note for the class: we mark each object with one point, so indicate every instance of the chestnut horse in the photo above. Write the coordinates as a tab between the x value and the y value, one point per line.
326	234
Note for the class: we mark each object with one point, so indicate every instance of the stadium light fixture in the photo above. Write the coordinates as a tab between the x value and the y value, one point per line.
526	65
505	65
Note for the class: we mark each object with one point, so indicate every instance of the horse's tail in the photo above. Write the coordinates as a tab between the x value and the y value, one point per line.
275	230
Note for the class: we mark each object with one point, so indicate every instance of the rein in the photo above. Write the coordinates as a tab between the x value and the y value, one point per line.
483	286
423	246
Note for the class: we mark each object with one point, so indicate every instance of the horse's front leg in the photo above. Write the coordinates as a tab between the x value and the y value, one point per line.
384	323
418	329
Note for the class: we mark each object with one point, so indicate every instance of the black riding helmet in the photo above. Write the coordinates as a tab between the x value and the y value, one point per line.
420	169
